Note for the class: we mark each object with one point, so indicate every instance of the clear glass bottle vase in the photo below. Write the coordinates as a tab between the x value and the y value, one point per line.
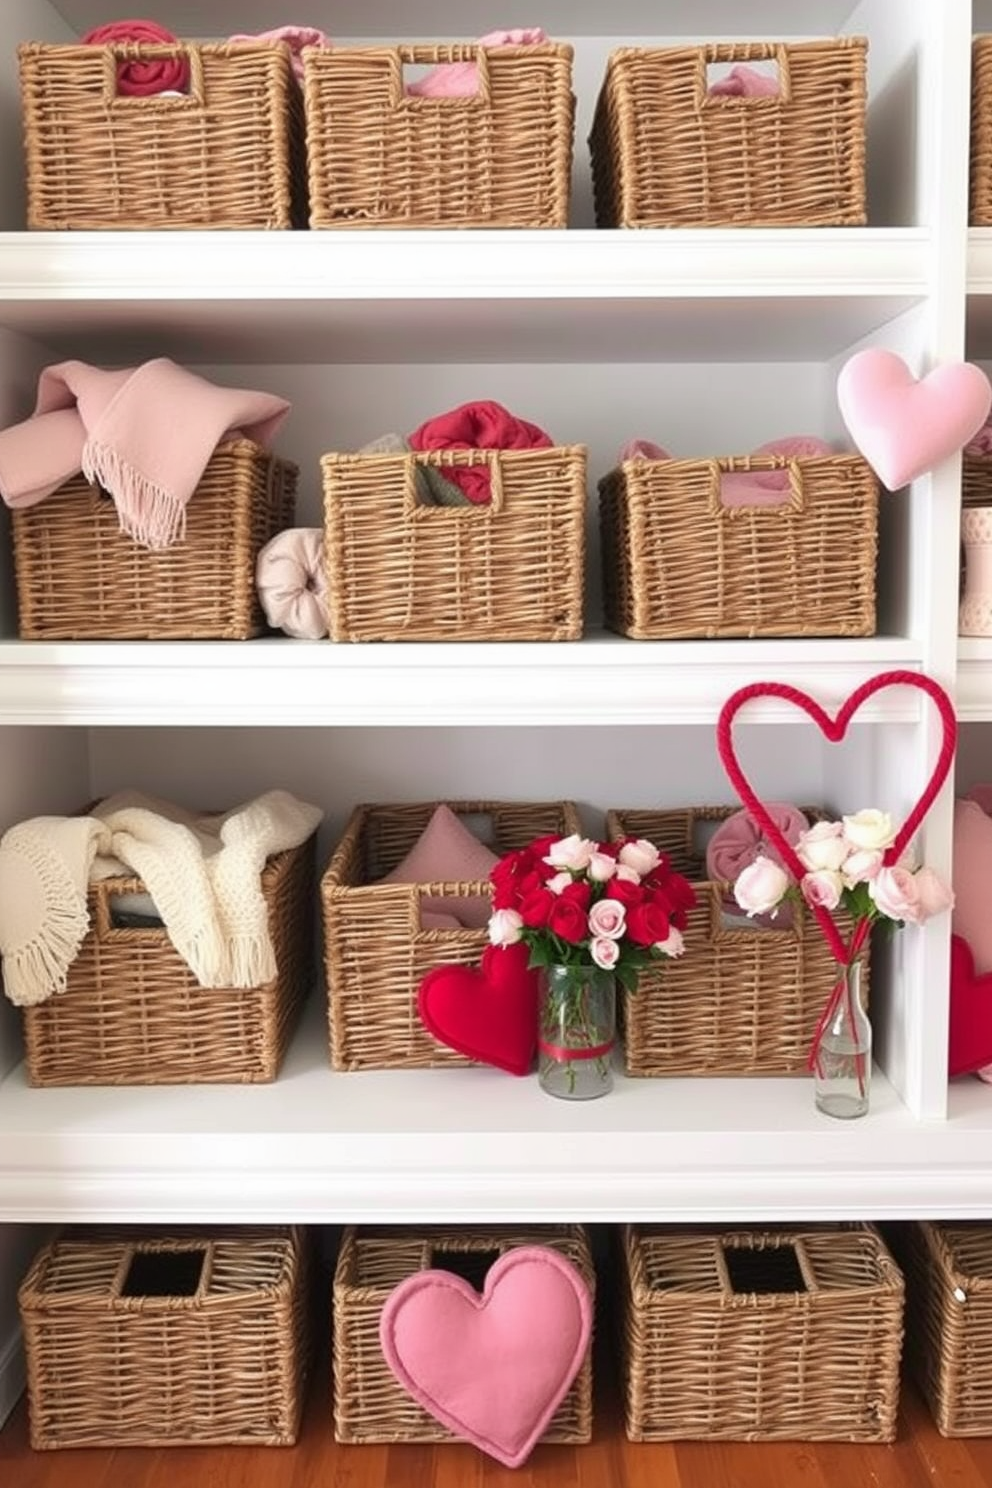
576	1031
842	1056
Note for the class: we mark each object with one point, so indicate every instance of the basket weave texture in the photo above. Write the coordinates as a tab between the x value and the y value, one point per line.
376	954
510	570
949	1320
743	1000
134	1014
369	1404
678	563
379	157
80	578
981	132
761	1335
227	154
976	478
221	1359
665	153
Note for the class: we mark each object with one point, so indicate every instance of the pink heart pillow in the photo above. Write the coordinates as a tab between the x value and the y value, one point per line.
972	881
447	852
493	1369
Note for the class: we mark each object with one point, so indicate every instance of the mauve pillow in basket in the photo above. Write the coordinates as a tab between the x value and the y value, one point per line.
447	852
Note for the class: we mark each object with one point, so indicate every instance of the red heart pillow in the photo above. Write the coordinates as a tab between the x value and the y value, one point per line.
970	1035
489	1013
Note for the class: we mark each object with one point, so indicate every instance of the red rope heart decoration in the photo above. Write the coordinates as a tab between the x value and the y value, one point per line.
834	729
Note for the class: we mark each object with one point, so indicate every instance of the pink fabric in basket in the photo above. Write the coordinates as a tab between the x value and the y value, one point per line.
738	840
461	79
447	852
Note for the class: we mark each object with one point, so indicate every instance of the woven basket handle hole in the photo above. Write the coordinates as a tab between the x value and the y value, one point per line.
770	1270
471	1265
164	1273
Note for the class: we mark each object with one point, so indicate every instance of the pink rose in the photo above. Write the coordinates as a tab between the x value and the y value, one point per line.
601	867
860	866
936	896
605	952
673	946
642	856
558	882
572	853
896	894
626	874
821	889
505	927
607	919
760	886
822	846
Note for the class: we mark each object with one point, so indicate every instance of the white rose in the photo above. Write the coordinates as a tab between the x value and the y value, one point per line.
627	874
559	882
605	953
869	830
607	919
860	867
673	946
822	846
641	856
505	927
822	889
571	852
760	886
601	867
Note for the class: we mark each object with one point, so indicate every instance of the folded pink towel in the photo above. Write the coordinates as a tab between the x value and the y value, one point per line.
291	579
461	79
981	443
149	75
642	449
745	82
144	433
295	37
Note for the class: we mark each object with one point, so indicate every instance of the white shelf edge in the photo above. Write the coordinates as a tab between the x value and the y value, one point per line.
979	261
601	680
577	263
973	693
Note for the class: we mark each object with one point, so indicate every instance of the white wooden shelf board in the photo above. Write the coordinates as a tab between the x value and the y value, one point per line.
601	680
974	679
464	1145
486	296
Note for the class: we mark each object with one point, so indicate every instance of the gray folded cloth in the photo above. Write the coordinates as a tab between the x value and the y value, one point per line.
432	487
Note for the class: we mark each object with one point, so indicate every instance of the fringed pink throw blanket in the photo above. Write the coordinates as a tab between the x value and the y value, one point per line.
144	433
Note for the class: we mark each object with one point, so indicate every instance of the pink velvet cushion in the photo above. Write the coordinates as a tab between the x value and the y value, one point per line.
972	881
447	852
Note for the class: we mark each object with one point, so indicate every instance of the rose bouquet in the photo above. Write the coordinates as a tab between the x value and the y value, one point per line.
589	913
847	868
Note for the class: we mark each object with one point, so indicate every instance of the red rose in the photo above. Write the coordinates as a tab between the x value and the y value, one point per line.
625	892
681	891
679	919
579	892
536	909
529	883
538	850
647	923
568	920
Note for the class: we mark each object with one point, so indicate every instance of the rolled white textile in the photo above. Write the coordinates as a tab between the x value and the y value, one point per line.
292	582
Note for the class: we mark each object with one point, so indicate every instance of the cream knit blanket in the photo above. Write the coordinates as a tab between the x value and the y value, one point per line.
202	872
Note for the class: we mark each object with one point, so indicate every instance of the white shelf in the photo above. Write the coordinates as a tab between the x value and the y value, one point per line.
469	1145
465	19
604	679
974	680
478	296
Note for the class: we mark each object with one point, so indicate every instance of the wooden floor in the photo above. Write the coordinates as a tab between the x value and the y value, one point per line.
921	1458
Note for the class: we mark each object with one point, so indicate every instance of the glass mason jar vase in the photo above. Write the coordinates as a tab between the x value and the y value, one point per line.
576	1031
842	1058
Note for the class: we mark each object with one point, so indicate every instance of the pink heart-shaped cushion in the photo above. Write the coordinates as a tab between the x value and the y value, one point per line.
969	1046
490	1014
904	426
834	729
493	1369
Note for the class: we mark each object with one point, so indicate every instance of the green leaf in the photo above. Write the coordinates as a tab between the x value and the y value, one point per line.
626	975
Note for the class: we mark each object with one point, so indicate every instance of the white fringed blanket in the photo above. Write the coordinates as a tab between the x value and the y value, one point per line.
202	872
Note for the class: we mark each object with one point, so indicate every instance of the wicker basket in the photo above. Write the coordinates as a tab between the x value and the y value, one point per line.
665	153
948	1269
227	154
194	1337
511	570
790	1334
80	578
744	1000
134	1014
980	214
369	1404
976	479
678	563
376	954
379	157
